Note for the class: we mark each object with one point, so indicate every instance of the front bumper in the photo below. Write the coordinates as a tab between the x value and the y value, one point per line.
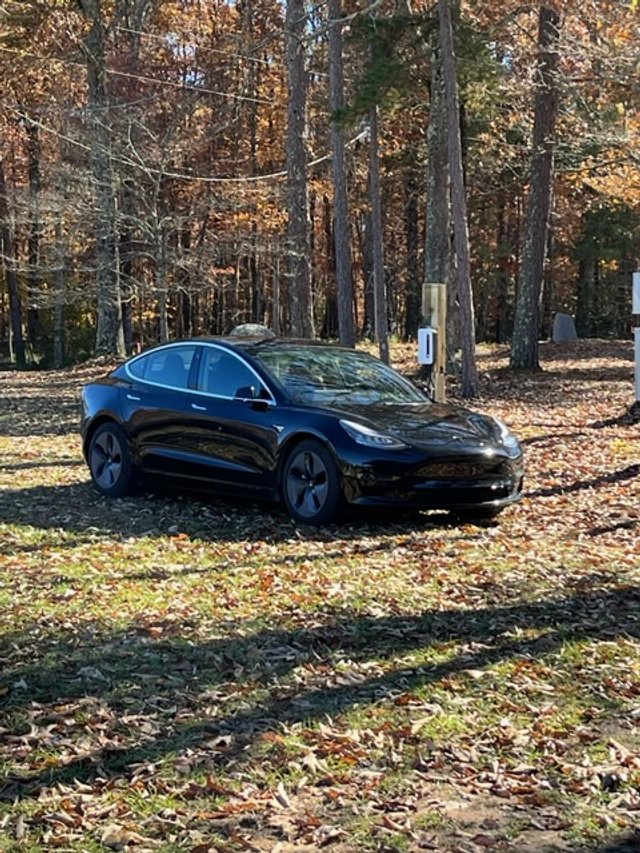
436	484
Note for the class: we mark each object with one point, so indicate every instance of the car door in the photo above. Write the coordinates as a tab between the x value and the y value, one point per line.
231	425
153	406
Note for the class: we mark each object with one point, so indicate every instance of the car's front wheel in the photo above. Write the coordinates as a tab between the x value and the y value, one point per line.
110	462
311	484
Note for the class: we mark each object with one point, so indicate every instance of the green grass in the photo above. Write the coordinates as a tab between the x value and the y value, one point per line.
203	673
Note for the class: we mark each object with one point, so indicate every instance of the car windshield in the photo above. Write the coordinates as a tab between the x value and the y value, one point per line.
324	375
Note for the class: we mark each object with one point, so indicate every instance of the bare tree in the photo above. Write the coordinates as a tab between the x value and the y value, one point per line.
439	266
299	225
34	155
342	240
109	335
6	239
458	204
524	349
377	239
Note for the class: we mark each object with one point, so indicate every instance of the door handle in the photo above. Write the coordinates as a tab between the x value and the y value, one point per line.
133	397
198	408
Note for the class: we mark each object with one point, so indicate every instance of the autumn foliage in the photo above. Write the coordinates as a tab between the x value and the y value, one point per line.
161	126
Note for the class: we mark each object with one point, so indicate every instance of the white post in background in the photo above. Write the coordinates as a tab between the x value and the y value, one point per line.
635	310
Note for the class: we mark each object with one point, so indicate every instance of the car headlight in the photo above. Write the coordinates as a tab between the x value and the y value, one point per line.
370	437
507	438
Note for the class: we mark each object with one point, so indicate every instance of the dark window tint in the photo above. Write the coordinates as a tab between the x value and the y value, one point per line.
224	374
165	366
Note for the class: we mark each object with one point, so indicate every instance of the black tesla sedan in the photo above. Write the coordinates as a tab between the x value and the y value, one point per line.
314	425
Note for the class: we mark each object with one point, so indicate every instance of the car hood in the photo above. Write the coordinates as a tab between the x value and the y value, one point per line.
425	425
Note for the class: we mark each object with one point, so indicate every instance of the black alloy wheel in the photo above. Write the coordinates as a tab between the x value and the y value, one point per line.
109	461
311	484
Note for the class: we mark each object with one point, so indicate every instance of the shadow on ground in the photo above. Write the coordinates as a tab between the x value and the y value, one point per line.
240	685
79	510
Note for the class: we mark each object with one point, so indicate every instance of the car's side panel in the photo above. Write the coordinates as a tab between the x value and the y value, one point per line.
154	420
152	412
232	444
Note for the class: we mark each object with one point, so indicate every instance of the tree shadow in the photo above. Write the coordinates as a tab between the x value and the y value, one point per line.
54	463
242	684
77	508
552	437
628	473
627	524
628	843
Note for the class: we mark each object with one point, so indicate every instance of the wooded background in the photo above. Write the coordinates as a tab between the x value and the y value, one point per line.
178	167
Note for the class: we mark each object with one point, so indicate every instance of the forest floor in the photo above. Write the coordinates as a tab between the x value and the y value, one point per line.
182	674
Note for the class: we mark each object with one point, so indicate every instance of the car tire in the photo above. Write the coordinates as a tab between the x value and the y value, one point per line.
311	484
110	462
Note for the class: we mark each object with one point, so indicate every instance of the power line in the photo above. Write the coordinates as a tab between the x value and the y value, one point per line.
182	86
245	57
205	179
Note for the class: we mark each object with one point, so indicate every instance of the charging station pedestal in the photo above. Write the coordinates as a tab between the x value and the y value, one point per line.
432	344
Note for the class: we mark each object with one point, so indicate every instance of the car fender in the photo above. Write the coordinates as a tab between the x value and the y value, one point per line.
291	440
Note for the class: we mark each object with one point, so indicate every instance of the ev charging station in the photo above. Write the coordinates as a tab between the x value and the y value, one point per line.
635	310
432	346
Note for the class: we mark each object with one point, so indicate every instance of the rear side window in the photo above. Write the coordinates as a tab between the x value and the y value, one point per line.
169	367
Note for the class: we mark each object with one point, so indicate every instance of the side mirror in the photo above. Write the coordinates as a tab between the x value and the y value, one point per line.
247	392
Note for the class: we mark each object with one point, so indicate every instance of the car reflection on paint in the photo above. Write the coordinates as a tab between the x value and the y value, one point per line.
316	426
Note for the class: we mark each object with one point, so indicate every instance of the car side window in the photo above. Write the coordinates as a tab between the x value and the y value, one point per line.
224	374
169	367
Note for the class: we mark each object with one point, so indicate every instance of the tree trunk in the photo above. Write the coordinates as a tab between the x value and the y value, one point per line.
186	306
502	266
438	233
458	204
379	295
413	299
524	349
365	243
330	326
298	225
275	321
58	296
126	262
15	309
587	276
161	283
342	240
252	80
34	152
109	334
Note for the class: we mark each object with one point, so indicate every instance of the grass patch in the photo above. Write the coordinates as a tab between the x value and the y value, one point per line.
180	673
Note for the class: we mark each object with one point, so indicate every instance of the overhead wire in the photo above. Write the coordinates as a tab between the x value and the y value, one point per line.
183	86
206	179
201	90
245	57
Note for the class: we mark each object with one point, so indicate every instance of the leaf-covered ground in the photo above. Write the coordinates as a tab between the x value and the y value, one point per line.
180	674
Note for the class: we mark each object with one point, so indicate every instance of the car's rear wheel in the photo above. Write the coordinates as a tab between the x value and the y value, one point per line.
110	462
311	484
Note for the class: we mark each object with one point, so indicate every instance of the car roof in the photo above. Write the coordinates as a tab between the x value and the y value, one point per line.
247	342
